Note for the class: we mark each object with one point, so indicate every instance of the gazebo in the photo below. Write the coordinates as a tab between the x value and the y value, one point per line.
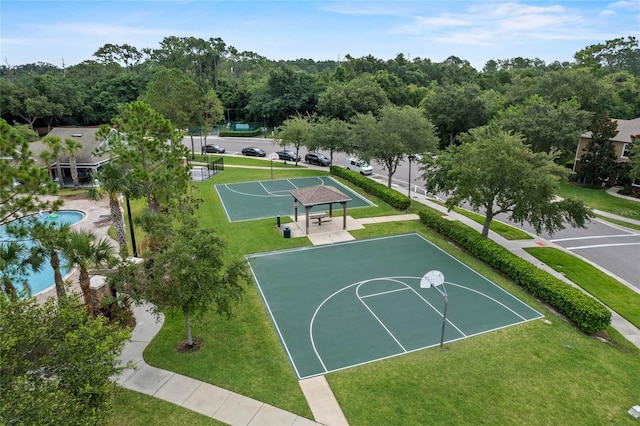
319	195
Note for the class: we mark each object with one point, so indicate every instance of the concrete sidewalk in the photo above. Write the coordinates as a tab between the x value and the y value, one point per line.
206	399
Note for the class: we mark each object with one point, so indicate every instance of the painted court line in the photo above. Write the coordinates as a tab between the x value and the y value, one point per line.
377	318
373	316
275	324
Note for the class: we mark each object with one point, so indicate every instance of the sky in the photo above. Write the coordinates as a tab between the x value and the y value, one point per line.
71	31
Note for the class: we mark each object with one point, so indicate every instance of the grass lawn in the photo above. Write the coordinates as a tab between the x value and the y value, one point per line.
608	290
599	199
534	373
500	228
507	231
619	222
132	408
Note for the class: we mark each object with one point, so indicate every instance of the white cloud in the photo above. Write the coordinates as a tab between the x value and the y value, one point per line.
626	5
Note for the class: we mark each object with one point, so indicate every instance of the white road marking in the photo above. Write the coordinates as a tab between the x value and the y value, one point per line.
602	245
594	237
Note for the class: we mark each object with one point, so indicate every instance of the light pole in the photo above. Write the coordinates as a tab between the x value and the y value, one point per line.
264	128
435	279
133	236
411	158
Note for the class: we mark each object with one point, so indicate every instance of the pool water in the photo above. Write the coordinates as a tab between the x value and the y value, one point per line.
43	279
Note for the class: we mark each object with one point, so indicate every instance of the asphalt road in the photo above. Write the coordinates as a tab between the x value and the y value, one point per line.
608	246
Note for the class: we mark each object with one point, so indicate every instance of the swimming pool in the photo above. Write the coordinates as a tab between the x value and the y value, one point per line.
43	279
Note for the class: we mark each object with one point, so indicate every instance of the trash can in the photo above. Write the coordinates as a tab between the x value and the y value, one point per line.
287	232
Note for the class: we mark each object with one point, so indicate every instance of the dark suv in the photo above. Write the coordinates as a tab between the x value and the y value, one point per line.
287	155
316	158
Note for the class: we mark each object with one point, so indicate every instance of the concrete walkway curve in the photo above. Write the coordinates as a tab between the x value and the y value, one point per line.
206	399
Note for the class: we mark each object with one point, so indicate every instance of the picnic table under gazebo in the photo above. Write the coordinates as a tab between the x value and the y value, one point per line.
319	195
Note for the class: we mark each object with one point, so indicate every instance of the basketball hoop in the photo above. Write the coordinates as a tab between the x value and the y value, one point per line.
432	279
435	279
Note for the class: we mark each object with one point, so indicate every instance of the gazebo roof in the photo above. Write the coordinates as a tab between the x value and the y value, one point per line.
319	194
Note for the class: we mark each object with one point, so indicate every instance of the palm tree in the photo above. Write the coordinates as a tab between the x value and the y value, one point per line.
72	147
47	157
15	262
49	239
85	251
114	180
55	147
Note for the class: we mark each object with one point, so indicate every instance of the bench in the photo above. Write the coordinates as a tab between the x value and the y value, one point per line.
320	216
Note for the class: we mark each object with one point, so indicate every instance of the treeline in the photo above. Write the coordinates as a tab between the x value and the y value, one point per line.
550	104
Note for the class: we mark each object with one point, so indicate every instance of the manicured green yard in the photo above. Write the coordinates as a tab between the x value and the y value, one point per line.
599	199
534	373
619	222
507	231
603	287
500	228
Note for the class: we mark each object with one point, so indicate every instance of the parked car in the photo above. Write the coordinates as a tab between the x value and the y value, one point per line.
358	165
253	151
213	148
288	155
316	158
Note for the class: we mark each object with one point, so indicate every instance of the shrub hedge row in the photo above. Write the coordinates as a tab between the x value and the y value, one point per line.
240	133
386	194
588	314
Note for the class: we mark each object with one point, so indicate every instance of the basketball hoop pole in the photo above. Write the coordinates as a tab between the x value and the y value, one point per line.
435	279
443	292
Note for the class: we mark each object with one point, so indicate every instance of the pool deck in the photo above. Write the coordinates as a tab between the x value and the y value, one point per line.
94	211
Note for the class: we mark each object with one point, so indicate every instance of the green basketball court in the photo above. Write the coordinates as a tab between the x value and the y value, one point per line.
270	198
341	305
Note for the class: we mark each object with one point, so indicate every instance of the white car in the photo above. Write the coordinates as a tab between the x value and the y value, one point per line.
359	166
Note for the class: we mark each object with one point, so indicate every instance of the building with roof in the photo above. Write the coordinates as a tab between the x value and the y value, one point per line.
88	161
627	129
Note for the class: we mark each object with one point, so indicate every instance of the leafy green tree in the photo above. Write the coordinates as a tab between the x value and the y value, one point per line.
213	111
494	171
190	276
174	95
21	99
296	132
331	135
344	101
72	147
58	366
545	126
26	133
55	147
22	183
126	54
284	93
557	86
634	159
455	109
614	55
598	163
85	251
397	133
154	153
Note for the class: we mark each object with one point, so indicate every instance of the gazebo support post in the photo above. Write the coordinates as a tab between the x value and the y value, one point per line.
344	215
307	210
